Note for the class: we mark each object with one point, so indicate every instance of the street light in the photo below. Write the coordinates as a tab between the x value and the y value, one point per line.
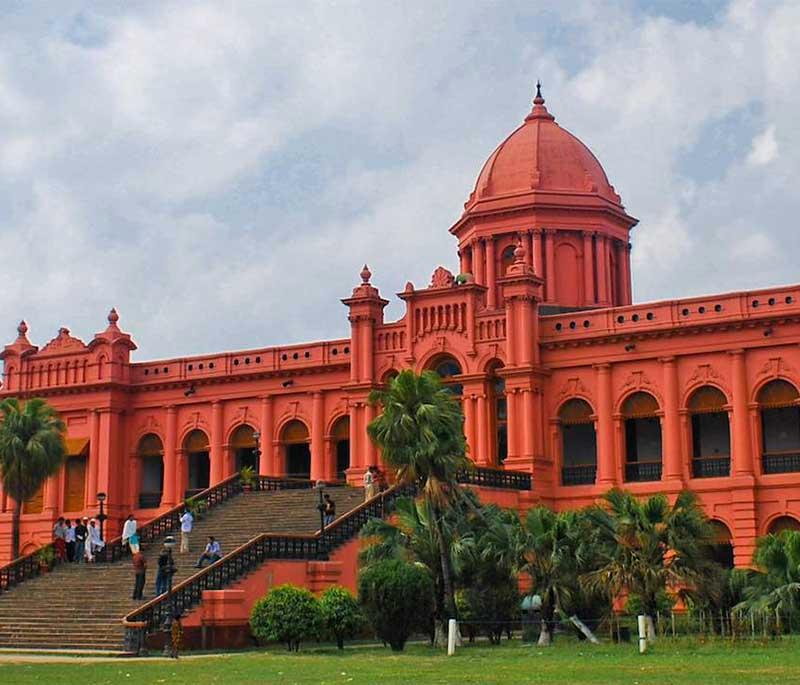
321	506
257	456
171	643
101	497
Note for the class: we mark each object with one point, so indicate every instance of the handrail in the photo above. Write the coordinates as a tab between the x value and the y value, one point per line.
28	566
243	559
487	477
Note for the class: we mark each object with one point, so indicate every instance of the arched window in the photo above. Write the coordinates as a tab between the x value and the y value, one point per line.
783	523
447	368
244	447
498	406
297	449
642	438
150	452
340	436
578	443
195	446
722	544
711	433
507	259
779	405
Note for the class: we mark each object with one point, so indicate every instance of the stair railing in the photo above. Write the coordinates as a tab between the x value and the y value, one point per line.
29	566
152	615
487	477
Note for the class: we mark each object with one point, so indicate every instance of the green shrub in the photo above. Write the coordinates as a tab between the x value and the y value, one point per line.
287	614
397	598
496	606
341	614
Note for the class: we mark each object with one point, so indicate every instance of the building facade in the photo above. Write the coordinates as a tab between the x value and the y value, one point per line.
559	373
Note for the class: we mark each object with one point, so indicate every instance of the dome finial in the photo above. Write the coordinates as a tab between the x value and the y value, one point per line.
365	275
538	100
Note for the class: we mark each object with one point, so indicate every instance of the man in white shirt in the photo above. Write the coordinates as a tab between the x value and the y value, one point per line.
369	484
186	529
212	553
129	529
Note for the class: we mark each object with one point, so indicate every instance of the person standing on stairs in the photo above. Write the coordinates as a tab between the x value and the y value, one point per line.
69	539
187	521
140	569
81	533
329	510
59	539
128	530
166	567
369	484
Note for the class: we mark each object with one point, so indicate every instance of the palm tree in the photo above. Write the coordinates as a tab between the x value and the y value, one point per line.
421	435
775	583
31	450
648	546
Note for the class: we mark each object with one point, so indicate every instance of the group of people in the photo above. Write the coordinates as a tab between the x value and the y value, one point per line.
374	482
77	541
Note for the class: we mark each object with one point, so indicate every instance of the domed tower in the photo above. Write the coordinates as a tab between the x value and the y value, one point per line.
544	187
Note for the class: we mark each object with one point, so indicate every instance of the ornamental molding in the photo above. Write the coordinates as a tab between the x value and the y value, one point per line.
707	374
573	387
149	424
195	421
775	367
63	343
442	278
640	381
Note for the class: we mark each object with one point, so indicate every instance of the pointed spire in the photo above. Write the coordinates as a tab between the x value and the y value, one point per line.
539	111
113	317
366	274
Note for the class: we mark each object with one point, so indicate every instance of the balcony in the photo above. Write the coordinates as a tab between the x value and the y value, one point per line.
781	463
711	467
578	475
642	471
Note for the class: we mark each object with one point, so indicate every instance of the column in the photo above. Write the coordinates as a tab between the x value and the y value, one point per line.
367	356
94	459
469	425
356	437
483	431
588	268
266	467
672	454
602	269
621	275
370	451
527	238
51	490
538	265
217	455
606	461
549	264
491	279
687	467
741	448
171	478
317	436
513	423
528	414
627	274
478	261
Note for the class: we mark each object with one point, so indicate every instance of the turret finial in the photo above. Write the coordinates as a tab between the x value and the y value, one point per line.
113	317
22	329
365	275
538	100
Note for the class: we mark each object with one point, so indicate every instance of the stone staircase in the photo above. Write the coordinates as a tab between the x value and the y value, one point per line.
82	606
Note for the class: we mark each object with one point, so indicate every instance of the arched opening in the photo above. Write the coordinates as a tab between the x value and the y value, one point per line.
448	369
151	457
642	438
568	277
297	449
507	259
779	406
711	433
340	435
244	447
498	408
578	443
782	523
722	544
195	447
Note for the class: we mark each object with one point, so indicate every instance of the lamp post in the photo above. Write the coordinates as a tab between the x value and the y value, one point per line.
171	643
101	497
320	486
257	456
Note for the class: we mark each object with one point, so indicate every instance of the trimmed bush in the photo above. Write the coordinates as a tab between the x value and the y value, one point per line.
341	614
287	614
397	598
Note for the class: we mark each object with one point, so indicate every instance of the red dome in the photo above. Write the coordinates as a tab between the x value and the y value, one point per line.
540	157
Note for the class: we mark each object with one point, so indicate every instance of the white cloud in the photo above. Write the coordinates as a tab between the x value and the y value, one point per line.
764	148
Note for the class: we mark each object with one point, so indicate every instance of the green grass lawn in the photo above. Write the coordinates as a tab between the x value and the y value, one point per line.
569	662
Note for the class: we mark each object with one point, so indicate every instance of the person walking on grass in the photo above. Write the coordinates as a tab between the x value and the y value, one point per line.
212	553
140	571
187	523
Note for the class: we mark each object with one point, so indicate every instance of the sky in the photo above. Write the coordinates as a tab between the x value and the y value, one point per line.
220	171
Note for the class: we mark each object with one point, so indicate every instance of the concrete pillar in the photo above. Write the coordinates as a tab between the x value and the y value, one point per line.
627	274
216	452
479	261
266	467
469	424
491	275
538	259
672	454
171	479
742	455
527	238
94	459
549	265
606	462
528	418
483	431
603	295
514	423
317	436
588	268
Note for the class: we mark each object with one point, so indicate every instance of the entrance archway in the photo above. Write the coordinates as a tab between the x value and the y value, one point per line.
297	449
243	446
195	447
783	523
340	435
722	544
151	486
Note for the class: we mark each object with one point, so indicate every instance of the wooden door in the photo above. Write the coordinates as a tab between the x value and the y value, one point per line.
75	491
35	504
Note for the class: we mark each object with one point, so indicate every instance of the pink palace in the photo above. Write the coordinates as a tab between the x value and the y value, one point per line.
560	375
